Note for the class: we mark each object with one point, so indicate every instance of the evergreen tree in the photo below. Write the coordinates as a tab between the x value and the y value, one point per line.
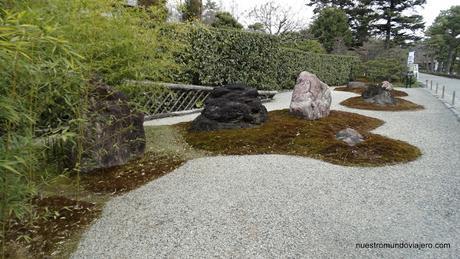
344	5
360	15
257	27
226	20
331	26
361	18
394	25
445	33
192	10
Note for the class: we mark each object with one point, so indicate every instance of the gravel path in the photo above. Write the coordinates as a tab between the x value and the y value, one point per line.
272	206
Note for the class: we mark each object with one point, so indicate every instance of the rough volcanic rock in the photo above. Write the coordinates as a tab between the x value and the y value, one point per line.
114	133
229	107
349	136
356	84
311	98
378	95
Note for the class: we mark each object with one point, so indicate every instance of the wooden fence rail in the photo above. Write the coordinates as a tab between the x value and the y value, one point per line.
180	99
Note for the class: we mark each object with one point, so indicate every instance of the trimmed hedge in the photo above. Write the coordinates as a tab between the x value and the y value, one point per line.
331	69
381	69
221	56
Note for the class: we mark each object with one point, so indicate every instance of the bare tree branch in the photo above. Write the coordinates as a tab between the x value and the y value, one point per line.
275	18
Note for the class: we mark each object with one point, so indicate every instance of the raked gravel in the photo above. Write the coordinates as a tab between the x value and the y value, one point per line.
276	206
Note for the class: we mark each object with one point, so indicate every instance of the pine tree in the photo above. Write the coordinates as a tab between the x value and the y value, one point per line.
446	32
226	20
330	27
360	15
344	5
395	25
361	18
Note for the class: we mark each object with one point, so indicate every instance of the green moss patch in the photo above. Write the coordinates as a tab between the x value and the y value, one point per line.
359	91
284	133
401	105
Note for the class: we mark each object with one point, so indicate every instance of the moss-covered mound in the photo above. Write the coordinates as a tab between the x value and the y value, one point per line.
287	134
120	179
401	105
359	91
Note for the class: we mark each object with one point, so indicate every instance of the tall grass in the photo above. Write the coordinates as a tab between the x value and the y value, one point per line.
49	50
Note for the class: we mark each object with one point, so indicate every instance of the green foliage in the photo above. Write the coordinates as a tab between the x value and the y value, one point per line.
382	69
144	97
307	46
191	10
226	20
301	41
37	67
331	69
219	56
392	22
390	19
331	26
256	27
48	52
444	37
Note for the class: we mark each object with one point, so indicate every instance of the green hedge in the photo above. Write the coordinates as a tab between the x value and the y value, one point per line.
331	69
381	69
221	56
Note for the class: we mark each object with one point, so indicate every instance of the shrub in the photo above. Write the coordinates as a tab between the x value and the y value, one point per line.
306	45
219	56
331	69
381	69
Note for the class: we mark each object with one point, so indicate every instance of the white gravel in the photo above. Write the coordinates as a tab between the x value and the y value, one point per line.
275	206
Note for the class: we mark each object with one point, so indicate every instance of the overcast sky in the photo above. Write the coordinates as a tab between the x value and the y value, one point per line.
305	13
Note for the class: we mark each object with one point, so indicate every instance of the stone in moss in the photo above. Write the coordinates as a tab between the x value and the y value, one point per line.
230	107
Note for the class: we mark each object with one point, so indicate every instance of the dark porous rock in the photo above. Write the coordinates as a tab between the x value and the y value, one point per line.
114	132
230	107
378	95
349	136
356	84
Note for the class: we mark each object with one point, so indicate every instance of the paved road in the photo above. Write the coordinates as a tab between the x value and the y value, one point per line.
451	85
272	206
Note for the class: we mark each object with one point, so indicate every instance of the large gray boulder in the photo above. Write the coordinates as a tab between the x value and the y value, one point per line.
230	107
114	132
311	98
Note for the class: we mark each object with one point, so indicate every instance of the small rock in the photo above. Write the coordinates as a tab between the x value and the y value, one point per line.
311	98
349	136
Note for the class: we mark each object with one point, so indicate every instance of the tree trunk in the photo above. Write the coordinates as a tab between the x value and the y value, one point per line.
388	25
452	64
450	56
